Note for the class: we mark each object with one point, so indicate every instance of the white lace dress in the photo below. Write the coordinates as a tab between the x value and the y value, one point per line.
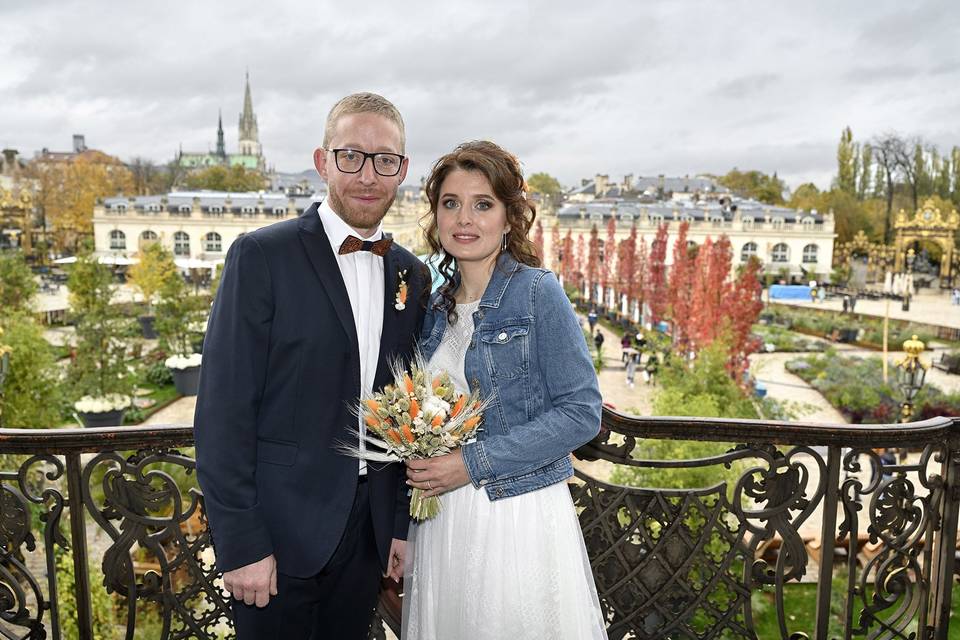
510	569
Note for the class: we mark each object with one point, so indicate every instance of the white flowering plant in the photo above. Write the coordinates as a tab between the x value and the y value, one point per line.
103	404
182	361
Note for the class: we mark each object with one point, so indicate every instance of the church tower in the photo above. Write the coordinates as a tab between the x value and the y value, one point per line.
221	148
249	138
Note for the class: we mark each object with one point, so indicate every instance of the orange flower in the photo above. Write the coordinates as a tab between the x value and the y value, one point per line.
436	383
408	383
437	421
458	407
393	434
414	409
371	421
372	404
407	433
469	424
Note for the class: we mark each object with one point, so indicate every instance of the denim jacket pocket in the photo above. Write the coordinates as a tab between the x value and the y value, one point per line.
506	350
278	452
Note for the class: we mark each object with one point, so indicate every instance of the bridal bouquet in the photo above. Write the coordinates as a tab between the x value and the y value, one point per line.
420	415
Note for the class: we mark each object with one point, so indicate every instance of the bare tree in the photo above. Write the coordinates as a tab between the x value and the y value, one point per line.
886	151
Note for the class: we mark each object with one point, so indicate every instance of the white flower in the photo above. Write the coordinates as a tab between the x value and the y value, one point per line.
102	404
436	406
181	361
399	306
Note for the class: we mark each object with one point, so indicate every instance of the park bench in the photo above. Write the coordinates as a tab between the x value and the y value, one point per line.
948	362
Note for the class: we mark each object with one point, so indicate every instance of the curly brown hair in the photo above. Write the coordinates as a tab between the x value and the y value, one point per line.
502	170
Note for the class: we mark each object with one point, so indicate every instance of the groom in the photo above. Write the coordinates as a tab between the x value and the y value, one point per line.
306	318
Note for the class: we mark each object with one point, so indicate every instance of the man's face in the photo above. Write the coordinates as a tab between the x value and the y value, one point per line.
361	199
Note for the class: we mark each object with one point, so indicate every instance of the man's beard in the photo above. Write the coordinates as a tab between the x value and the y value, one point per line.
357	218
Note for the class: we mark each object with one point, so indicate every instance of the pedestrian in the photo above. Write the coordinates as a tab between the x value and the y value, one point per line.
641	341
632	359
624	345
846	303
956	296
853	302
598	341
592	318
650	370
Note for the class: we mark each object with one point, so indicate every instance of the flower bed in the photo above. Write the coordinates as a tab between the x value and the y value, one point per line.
855	387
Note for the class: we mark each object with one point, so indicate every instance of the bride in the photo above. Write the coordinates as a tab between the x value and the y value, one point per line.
505	558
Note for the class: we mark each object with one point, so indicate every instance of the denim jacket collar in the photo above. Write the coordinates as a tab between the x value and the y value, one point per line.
499	280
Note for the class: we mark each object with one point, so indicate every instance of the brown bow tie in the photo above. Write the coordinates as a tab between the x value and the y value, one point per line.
353	243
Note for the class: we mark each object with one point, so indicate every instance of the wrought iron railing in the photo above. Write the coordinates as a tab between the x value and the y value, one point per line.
790	500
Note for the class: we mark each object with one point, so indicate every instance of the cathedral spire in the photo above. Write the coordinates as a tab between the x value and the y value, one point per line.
249	137
221	148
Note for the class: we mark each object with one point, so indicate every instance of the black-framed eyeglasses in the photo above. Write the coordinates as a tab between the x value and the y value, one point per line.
352	161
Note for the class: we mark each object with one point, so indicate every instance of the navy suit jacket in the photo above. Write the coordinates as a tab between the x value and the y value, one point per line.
280	373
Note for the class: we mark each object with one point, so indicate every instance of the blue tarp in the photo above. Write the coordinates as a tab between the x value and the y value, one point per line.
789	292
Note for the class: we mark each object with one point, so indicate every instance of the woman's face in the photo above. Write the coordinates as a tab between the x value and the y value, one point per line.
470	220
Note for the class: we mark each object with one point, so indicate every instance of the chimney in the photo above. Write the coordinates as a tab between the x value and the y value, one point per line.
79	144
600	185
628	182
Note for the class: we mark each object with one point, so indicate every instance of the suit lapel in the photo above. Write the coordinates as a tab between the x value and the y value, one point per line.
391	266
317	246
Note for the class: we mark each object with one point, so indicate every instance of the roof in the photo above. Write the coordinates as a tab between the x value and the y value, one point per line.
696	211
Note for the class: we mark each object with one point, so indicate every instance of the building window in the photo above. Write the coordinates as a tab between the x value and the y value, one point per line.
216	209
749	251
781	253
248	210
212	242
279	211
808	221
152	208
717	222
148	235
777	223
810	253
118	240
181	244
184	208
656	219
748	223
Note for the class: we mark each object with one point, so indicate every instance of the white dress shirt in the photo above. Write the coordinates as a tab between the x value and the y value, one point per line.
362	273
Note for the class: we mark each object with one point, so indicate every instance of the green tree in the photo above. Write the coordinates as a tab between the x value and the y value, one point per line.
156	266
179	313
866	162
234	179
545	183
805	197
102	331
17	285
754	184
847	161
955	179
31	392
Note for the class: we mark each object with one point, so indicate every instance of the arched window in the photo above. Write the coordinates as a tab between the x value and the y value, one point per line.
212	243
810	253
181	244
749	250
780	253
118	240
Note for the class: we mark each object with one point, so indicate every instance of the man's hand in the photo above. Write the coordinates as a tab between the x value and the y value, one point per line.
398	552
254	583
438	475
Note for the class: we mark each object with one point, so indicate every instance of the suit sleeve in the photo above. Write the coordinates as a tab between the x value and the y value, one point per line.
232	379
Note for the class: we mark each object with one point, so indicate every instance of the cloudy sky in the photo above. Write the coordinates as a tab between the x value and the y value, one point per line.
573	88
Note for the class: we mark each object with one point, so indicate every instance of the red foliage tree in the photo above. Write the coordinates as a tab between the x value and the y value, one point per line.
578	265
538	242
655	290
626	265
608	275
741	308
593	261
569	259
681	290
555	249
640	272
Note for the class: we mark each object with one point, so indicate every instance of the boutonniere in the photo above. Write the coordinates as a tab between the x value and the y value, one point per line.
401	299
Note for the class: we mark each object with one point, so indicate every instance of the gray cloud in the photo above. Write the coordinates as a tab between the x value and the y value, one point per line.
573	88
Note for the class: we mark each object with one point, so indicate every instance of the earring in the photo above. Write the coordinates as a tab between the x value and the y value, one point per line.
503	243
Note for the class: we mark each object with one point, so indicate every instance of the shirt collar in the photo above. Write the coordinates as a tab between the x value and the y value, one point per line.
337	230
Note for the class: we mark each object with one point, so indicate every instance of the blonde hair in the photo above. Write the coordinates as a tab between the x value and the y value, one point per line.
364	103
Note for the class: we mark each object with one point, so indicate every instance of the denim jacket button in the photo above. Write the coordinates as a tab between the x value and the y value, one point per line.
474	383
483	482
500	492
502	337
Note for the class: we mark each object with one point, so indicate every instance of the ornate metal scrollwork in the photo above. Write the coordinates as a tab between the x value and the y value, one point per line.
155	519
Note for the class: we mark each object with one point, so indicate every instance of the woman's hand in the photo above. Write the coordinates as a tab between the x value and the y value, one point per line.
438	475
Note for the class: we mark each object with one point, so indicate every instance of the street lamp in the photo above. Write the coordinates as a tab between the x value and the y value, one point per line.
911	371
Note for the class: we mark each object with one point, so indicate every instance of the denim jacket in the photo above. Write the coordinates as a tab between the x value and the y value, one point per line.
528	355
